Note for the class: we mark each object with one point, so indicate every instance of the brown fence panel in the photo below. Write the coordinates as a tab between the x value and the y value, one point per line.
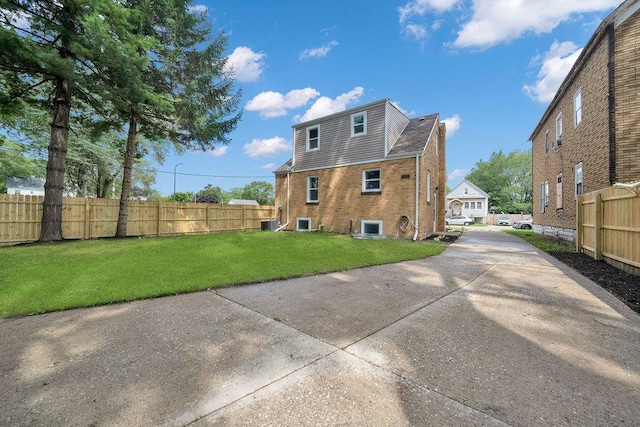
85	218
608	227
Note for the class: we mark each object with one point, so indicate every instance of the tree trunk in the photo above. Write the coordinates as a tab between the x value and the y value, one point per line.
123	214
51	226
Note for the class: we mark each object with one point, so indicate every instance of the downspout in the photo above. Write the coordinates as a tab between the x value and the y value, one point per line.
415	235
286	223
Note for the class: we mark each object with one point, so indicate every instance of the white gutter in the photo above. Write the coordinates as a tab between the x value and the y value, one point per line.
415	235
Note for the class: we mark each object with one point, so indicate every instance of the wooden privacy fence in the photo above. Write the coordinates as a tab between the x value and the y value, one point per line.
86	218
608	227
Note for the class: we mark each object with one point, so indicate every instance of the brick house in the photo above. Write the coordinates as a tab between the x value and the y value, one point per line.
589	136
369	170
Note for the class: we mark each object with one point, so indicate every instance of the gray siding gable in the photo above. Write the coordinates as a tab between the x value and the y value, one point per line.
336	145
473	191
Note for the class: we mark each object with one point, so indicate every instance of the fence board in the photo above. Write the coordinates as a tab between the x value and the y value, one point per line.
608	227
85	218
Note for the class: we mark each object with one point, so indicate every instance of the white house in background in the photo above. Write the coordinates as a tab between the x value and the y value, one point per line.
25	186
467	199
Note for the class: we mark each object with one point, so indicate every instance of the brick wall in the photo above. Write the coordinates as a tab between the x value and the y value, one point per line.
586	143
627	87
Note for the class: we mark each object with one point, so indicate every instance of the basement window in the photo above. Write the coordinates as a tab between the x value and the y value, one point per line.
371	227
303	224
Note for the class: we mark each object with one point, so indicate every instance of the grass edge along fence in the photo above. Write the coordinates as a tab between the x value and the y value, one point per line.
88	218
608	227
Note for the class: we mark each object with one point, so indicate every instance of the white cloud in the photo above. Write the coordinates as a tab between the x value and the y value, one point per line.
266	147
456	174
198	9
324	106
416	31
274	104
269	166
219	151
498	21
421	7
246	64
557	63
452	123
318	52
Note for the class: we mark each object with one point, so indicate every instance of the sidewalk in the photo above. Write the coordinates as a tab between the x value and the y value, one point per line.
491	332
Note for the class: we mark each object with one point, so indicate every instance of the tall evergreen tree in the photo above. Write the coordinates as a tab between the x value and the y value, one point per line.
191	103
65	46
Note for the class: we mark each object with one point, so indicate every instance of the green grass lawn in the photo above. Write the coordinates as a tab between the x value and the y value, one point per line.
545	243
39	278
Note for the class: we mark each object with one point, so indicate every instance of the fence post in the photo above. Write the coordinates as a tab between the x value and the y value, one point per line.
579	223
598	228
87	218
159	219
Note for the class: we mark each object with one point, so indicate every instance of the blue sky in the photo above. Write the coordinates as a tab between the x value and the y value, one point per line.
488	67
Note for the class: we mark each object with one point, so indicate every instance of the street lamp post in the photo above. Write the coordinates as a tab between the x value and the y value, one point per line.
174	180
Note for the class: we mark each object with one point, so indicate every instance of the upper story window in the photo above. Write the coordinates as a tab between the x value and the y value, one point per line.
428	186
313	138
359	124
371	180
558	130
542	197
312	189
546	142
577	107
579	186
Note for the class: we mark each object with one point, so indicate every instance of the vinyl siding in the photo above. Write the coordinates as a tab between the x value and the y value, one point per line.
396	123
337	147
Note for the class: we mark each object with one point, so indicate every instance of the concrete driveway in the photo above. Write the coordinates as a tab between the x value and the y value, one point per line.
491	332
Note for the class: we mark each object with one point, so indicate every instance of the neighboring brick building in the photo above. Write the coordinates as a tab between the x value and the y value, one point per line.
589	136
369	170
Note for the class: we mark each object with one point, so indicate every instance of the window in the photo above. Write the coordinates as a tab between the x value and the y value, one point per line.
558	130
313	138
472	205
303	224
542	197
16	192
359	124
559	191
478	205
579	186
371	227
546	193
577	107
312	189
546	142
428	186
466	205
466	191
371	180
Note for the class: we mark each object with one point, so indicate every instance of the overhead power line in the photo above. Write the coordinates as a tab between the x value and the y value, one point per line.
206	175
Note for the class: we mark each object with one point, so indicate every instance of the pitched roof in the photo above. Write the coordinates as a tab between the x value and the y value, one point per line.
415	136
286	167
30	183
469	184
243	202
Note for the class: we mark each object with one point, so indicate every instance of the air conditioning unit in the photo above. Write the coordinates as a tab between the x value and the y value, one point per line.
269	225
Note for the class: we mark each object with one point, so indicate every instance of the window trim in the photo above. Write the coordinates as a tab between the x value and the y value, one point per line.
298	224
371	221
559	191
546	193
559	131
546	142
309	189
364	124
309	129
365	180
428	187
542	206
581	182
577	108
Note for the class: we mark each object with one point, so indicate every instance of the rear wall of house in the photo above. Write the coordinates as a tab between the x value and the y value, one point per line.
342	204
